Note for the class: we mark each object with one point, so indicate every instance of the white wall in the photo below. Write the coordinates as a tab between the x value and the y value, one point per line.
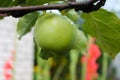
23	49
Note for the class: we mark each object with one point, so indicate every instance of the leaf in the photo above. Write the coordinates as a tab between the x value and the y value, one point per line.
18	2
5	3
26	23
37	2
44	54
105	27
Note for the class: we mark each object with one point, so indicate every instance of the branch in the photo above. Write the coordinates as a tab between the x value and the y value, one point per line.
84	6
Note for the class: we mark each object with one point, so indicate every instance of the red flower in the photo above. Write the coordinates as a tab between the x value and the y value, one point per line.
90	60
8	67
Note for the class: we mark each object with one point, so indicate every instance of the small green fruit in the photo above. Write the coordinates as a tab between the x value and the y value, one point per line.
55	33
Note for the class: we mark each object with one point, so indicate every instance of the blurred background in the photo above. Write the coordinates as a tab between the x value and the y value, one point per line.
16	56
17	59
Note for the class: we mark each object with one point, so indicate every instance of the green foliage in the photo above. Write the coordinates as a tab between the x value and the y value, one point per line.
26	23
72	14
5	3
38	2
1	17
18	2
105	27
101	24
44	54
74	57
81	42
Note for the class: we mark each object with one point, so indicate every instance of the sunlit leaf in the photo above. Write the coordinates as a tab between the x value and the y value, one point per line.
105	27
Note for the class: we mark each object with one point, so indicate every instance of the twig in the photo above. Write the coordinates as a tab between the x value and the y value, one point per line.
21	11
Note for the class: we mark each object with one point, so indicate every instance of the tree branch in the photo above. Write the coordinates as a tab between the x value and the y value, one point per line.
20	11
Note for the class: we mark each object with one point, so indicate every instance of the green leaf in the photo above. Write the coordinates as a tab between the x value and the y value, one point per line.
37	2
26	23
105	27
5	3
18	2
44	54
